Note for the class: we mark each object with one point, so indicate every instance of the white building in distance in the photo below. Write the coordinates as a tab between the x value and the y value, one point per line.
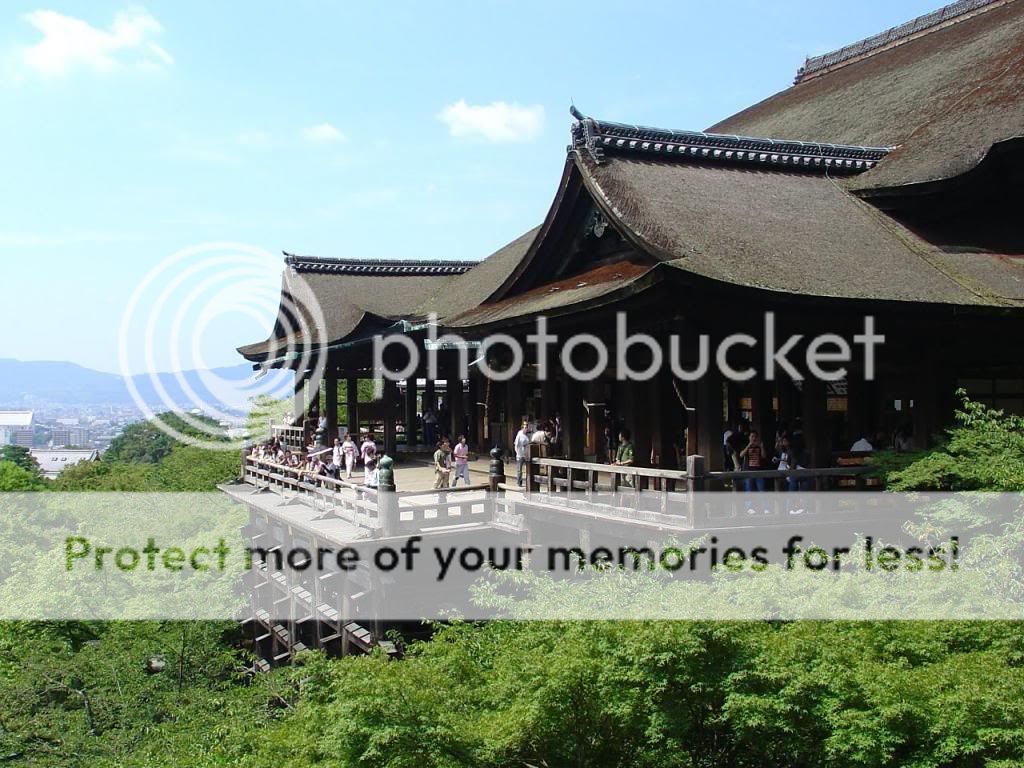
53	461
16	428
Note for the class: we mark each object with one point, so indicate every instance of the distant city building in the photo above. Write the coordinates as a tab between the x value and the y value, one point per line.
71	437
53	461
16	428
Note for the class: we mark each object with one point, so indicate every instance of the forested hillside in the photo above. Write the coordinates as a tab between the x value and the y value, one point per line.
516	694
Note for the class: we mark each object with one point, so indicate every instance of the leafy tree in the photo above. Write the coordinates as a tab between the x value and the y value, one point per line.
141	694
105	476
145	443
20	456
984	451
16	478
190	468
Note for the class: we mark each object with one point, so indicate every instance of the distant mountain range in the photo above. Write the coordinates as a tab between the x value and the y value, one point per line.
33	384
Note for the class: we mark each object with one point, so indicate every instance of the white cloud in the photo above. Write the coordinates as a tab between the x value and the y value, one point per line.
498	121
324	132
69	43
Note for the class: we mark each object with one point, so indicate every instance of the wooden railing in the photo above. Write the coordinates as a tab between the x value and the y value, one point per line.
657	496
289	434
384	513
667	497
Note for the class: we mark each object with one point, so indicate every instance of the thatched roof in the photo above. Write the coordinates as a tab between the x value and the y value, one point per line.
942	96
353	298
784	232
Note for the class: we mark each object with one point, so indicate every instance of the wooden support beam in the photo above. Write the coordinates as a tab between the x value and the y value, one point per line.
858	408
708	418
411	422
456	409
788	411
594	429
352	404
475	412
331	403
513	408
549	397
429	397
299	398
572	417
391	407
732	404
814	406
764	415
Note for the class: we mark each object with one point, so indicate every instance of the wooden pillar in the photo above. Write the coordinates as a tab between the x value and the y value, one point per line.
411	423
549	404
657	422
814	406
945	396
788	412
513	407
674	421
858	410
922	414
732	404
299	398
764	415
595	420
352	404
493	392
475	412
708	417
429	397
391	406
331	403
572	415
456	409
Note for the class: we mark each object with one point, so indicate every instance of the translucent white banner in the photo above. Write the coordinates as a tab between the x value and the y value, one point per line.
476	555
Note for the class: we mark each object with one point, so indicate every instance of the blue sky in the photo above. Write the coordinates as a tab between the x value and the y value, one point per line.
337	129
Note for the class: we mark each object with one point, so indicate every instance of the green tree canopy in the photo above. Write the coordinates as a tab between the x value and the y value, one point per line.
20	456
16	478
146	443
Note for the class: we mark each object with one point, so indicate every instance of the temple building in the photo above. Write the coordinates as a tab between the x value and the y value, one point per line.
881	184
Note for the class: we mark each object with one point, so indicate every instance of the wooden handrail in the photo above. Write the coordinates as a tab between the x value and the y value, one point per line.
665	474
796	474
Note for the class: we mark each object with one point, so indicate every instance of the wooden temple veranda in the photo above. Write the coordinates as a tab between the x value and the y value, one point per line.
886	182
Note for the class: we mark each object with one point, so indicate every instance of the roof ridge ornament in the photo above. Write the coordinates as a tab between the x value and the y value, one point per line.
600	138
377	267
585	135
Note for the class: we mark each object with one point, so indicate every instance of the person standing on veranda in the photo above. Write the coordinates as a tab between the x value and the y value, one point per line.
442	465
368	452
349	452
624	455
522	447
461	453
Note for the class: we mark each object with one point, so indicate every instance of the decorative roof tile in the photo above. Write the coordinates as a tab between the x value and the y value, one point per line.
600	138
384	267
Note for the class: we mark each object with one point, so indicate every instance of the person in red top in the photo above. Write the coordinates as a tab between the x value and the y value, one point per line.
754	460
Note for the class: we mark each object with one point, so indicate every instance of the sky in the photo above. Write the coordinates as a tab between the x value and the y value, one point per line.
158	158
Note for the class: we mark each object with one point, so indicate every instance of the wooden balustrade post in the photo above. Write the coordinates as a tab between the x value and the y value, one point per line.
531	483
387	498
696	478
496	473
